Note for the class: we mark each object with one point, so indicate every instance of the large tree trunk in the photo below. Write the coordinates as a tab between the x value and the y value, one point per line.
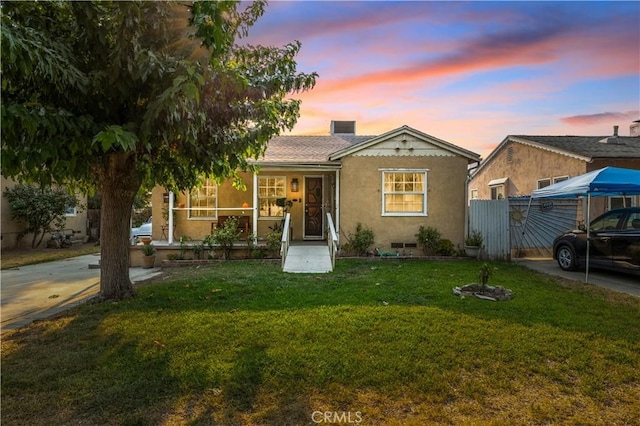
118	186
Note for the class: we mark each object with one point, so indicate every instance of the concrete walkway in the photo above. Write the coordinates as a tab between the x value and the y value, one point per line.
622	283
310	259
39	291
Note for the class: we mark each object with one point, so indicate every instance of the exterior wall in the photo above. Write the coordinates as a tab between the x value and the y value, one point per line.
11	228
361	198
524	167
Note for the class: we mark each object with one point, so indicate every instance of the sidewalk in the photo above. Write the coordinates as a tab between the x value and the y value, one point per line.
39	291
612	280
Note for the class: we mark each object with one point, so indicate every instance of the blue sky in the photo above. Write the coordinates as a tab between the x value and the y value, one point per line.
466	72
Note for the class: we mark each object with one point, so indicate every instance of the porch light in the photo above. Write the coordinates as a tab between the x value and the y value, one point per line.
294	185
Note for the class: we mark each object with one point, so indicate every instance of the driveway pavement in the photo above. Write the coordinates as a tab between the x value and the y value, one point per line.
39	291
612	280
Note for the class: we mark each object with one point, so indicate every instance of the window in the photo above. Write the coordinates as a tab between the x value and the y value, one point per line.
474	194
543	183
620	202
203	201
270	189
71	211
404	193
497	192
608	221
560	179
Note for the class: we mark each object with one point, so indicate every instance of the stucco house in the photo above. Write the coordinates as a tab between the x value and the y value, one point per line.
76	222
392	183
523	163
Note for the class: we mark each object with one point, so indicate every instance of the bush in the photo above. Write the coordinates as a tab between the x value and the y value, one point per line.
474	239
360	241
226	235
274	239
428	238
445	248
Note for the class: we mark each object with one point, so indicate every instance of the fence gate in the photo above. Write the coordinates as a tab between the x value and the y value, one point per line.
491	218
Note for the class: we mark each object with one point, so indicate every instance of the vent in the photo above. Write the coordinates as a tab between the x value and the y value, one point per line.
509	154
343	127
397	245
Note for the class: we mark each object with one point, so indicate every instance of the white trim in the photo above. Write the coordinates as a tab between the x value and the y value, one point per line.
284	178
206	209
424	191
499	181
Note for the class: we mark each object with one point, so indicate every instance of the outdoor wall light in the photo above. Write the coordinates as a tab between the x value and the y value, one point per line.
294	185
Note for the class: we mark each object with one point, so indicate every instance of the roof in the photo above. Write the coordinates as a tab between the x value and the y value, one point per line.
590	146
472	156
585	148
305	149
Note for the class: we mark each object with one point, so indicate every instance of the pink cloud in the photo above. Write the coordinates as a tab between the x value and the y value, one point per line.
602	117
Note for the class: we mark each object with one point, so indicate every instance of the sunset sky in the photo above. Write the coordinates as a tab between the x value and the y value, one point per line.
466	72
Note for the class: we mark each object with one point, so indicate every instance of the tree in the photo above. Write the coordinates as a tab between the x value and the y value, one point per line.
42	209
113	95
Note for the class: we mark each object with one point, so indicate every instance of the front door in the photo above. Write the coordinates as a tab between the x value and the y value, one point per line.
313	215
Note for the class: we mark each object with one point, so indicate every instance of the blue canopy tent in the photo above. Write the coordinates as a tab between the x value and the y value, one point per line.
606	182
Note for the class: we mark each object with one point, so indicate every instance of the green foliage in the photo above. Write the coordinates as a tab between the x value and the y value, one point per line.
474	239
116	95
225	235
42	209
240	334
445	247
484	274
428	238
360	241
148	249
198	249
274	239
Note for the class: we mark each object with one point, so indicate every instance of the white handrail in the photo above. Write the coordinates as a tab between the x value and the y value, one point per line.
332	240
284	243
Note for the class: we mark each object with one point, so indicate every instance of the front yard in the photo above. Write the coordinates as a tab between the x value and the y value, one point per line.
375	342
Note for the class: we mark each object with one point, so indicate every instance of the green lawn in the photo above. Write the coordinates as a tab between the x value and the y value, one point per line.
383	342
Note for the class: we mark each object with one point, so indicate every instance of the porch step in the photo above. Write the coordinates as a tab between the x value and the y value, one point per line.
308	259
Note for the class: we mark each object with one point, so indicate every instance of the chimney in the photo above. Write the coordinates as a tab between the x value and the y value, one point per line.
611	139
343	127
634	129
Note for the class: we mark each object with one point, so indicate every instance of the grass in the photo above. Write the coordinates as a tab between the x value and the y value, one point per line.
21	257
384	342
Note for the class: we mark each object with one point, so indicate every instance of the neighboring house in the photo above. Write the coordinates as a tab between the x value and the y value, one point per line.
521	164
76	221
392	183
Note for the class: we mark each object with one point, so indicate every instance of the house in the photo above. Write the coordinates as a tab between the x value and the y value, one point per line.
76	222
392	183
523	163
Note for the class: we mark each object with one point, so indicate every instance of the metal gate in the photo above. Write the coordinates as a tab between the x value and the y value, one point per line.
502	223
491	218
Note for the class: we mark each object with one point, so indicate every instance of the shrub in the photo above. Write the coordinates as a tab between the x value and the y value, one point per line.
148	249
226	235
474	239
360	241
274	239
428	238
445	247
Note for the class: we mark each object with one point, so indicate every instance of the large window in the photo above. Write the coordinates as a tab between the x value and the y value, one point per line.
203	201
270	189
405	193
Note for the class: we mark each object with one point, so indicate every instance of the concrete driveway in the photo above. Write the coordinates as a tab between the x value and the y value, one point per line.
39	291
622	283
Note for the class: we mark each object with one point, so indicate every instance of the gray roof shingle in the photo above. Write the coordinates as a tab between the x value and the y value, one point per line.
590	146
307	149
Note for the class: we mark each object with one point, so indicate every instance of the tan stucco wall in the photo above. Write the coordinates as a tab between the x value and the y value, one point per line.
10	228
527	166
361	198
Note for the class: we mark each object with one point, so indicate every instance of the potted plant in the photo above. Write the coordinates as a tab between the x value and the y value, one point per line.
149	255
473	243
